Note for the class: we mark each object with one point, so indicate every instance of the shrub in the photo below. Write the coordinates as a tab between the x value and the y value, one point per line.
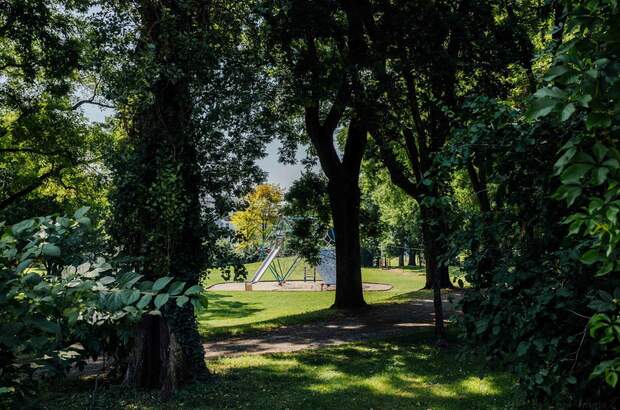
59	308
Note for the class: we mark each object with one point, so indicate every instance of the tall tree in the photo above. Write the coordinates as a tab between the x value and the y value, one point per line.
184	78
157	196
318	51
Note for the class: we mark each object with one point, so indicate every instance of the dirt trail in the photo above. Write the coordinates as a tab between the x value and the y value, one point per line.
377	322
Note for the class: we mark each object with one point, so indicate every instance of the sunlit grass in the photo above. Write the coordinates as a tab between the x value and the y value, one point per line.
230	313
403	373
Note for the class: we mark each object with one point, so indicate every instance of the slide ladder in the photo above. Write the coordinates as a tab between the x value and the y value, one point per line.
263	267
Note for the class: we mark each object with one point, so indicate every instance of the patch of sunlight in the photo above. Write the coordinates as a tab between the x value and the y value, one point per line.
383	385
486	386
256	361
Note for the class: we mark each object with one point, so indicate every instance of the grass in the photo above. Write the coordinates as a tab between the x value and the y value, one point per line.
402	373
232	313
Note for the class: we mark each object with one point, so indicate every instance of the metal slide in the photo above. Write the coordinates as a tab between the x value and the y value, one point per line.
263	267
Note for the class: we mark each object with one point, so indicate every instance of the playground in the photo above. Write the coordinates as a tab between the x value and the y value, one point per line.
234	311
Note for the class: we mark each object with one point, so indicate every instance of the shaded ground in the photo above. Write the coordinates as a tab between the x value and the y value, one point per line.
379	321
406	372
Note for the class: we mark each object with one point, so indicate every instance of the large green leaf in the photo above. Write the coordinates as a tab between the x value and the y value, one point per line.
81	212
194	290
161	300
144	301
161	283
22	226
50	250
573	173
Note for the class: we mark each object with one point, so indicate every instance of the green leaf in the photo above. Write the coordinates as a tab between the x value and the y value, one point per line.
612	215
567	112
23	265
590	257
50	250
161	300
22	226
85	221
144	301
133	296
541	107
81	212
106	280
598	120
194	290
176	288
600	175
552	92
564	159
161	283
611	377
556	71
182	300
573	173
522	348
599	151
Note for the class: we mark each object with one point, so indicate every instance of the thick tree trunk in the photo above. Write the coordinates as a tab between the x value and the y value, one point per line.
162	355
345	205
401	259
158	207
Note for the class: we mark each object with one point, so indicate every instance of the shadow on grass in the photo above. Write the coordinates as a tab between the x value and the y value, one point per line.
225	307
403	373
217	333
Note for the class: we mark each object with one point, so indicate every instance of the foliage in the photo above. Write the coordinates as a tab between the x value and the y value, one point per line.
307	205
583	87
50	157
523	266
258	218
59	307
398	217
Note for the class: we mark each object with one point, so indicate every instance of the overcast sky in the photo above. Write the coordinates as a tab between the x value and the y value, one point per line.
278	173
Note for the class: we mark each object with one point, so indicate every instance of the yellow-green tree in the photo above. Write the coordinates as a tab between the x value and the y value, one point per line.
260	215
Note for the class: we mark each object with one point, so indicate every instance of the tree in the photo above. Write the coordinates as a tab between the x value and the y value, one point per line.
49	155
179	75
260	215
307	206
316	49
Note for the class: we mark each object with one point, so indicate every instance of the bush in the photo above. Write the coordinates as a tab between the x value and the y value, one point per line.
55	313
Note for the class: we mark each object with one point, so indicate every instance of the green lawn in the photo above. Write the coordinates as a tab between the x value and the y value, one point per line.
402	373
230	313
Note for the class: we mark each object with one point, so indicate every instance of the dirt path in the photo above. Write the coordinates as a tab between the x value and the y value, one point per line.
377	322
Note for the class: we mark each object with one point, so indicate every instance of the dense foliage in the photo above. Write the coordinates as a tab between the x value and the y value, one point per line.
542	251
60	307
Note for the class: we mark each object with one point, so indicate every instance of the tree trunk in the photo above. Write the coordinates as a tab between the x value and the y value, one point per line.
433	249
158	211
401	259
412	254
345	204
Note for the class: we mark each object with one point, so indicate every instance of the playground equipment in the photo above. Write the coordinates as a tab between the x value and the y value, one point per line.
281	272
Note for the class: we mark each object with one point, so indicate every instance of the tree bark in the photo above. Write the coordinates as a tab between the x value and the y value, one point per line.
345	204
412	254
433	249
157	206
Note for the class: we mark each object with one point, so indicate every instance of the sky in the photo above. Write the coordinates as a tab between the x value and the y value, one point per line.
277	173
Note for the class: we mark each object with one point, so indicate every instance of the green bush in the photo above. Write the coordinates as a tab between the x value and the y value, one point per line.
54	315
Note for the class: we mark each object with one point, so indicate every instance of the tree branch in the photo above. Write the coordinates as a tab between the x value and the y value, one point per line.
22	193
397	174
